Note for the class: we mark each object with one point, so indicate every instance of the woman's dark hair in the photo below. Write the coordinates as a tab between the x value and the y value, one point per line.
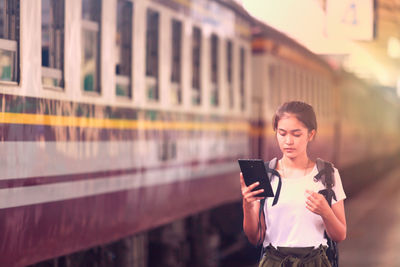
303	112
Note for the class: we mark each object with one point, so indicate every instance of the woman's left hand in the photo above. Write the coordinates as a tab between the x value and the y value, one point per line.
317	203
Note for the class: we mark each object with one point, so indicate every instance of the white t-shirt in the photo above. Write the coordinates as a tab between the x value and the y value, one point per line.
289	223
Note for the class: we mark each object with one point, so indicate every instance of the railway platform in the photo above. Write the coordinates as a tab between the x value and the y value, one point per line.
373	219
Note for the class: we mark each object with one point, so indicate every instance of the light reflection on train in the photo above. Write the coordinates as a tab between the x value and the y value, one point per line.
134	113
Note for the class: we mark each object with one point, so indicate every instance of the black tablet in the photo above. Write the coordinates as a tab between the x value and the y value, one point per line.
253	170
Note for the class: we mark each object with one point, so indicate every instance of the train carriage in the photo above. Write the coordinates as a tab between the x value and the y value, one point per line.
114	109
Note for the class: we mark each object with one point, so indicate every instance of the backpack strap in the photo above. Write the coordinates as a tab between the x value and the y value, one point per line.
270	167
326	176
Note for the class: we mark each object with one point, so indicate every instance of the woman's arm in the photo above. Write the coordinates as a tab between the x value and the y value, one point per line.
334	217
251	207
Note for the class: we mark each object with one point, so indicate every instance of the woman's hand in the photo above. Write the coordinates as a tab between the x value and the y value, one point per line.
251	215
249	196
317	203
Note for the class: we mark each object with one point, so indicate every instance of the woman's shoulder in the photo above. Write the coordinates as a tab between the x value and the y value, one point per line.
272	163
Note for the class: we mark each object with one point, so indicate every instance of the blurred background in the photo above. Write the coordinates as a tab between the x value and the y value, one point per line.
121	123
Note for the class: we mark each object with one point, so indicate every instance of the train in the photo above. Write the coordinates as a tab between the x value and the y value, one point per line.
121	116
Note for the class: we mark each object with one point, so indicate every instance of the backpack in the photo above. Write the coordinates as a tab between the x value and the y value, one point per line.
326	177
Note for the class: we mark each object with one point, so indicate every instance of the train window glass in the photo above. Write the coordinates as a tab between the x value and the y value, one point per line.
272	84
305	87
331	101
318	94
328	100
288	86
292	85
313	90
176	90
90	72
196	61
301	85
9	38
309	89
315	94
278	85
123	44
229	72
214	70
53	42
242	79
323	98
284	80
152	36
298	84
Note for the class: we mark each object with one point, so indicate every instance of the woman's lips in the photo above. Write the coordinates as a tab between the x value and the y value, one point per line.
289	149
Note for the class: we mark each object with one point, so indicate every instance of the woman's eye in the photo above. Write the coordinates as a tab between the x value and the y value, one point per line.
297	135
282	134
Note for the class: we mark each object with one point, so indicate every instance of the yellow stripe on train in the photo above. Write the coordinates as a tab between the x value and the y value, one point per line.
70	121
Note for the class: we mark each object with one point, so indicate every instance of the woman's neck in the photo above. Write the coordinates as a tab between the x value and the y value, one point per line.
296	163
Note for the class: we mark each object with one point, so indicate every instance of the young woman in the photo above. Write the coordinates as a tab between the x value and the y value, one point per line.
292	229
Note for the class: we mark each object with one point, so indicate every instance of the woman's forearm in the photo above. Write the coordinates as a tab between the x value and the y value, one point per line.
251	222
335	223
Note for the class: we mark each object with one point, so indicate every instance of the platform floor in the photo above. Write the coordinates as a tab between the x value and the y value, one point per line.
373	225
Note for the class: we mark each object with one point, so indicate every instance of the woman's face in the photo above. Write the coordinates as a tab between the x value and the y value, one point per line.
293	136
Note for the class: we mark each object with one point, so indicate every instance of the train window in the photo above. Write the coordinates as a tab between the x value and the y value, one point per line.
272	84
176	90
214	70
196	61
289	92
9	38
242	79
314	94
53	42
152	34
90	72
317	96
304	86
320	92
278	86
324	100
296	83
229	72
291	84
123	40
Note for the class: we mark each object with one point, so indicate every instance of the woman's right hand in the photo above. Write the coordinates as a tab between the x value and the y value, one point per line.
249	196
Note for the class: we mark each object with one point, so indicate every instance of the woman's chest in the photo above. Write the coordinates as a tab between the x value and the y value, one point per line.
294	191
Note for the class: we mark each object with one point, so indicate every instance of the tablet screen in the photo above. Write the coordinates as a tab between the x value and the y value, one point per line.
253	170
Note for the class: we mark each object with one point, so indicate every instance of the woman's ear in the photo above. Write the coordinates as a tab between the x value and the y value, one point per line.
311	135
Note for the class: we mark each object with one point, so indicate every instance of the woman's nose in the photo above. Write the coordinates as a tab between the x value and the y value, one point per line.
289	139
